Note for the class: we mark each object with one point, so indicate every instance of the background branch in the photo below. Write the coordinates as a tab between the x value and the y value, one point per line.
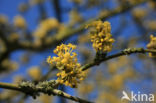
54	39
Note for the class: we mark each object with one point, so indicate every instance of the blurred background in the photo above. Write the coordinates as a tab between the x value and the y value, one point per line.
31	29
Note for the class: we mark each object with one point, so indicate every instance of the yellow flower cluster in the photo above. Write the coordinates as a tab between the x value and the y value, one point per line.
45	98
46	26
150	24
133	2
3	19
2	46
77	1
152	45
70	72
75	17
152	4
19	22
13	37
101	36
35	73
139	13
12	65
35	2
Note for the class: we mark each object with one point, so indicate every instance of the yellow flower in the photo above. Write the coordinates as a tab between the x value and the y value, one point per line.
139	13
3	19
13	36
77	1
45	98
66	61
40	33
45	26
34	72
49	24
10	64
150	24
152	4
152	45
35	2
19	22
49	60
75	18
101	36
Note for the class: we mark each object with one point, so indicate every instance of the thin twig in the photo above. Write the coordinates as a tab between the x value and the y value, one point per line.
122	53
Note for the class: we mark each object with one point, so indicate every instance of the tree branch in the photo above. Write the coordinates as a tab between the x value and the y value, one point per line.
31	89
48	87
57	9
122	53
